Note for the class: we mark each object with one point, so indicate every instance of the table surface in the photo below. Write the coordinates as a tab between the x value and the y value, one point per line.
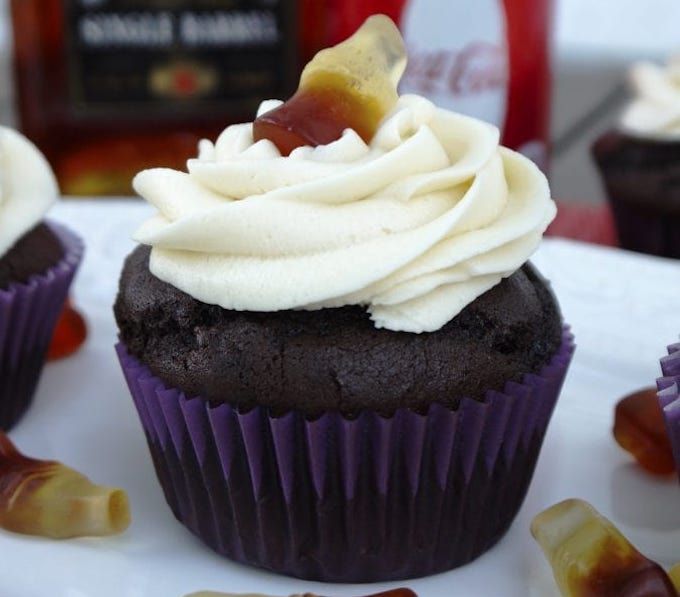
623	308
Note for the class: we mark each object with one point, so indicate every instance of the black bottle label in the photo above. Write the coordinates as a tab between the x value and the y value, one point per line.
168	59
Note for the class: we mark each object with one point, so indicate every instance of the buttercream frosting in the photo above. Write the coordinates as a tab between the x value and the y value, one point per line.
27	187
415	225
655	109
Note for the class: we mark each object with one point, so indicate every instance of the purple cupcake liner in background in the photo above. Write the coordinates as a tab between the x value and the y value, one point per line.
669	397
348	500
645	230
28	313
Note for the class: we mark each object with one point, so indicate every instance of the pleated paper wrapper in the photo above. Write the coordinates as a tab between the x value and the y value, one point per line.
669	397
28	314
348	500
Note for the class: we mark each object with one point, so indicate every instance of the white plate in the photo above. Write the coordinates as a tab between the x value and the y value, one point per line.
624	310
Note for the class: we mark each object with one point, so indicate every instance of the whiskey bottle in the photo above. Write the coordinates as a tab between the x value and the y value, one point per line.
108	87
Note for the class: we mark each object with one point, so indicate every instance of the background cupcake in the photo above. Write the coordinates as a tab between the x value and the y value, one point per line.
343	364
640	162
38	260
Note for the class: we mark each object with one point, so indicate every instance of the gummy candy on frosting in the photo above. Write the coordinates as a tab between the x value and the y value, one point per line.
350	86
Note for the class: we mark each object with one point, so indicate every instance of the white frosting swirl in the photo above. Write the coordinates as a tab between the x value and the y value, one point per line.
415	226
655	110
27	187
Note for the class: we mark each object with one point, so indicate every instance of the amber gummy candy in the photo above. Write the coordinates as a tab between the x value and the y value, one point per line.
351	85
675	576
47	498
640	429
591	558
69	333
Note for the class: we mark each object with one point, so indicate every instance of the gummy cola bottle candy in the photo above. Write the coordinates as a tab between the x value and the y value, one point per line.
591	558
69	334
351	85
47	498
640	429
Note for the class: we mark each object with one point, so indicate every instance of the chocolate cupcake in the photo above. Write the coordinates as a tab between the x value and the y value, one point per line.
640	163
342	361
38	260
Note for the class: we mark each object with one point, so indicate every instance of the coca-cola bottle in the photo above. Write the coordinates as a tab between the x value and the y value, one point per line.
488	58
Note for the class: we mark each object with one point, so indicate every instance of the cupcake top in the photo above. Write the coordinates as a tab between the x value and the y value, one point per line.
414	223
27	187
655	109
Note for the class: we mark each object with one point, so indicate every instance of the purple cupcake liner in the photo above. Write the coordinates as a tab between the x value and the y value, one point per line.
348	500
645	230
669	397
28	313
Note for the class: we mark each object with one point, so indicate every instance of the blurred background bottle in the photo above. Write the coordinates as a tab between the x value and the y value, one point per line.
108	87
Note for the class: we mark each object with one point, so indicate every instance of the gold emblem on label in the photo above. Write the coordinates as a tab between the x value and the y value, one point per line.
182	80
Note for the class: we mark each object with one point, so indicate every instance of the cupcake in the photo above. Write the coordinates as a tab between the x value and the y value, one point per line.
342	360
669	397
640	163
38	260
